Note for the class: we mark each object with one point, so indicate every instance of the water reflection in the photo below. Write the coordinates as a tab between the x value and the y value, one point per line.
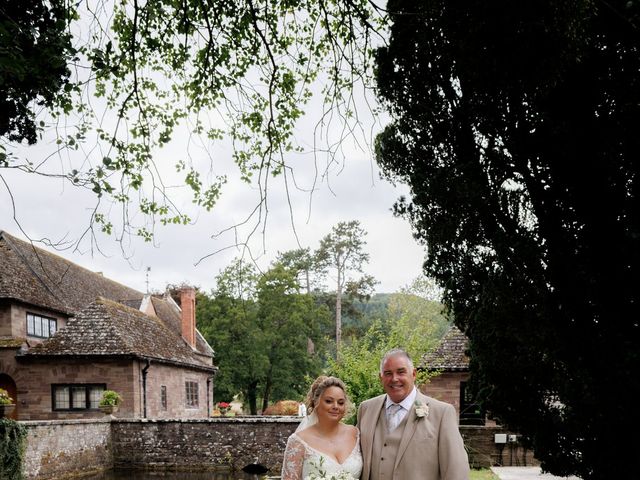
163	475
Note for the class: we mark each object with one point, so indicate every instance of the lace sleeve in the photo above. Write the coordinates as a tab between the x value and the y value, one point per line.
293	459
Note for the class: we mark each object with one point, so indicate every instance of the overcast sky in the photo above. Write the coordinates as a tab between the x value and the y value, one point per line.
351	191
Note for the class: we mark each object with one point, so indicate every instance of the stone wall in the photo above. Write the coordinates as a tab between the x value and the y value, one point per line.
202	444
484	452
71	447
59	447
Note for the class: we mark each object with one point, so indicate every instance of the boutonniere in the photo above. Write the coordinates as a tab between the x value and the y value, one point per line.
422	409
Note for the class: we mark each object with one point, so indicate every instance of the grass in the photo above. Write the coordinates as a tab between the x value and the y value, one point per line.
482	474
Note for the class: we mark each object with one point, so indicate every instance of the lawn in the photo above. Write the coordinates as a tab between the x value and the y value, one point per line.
483	474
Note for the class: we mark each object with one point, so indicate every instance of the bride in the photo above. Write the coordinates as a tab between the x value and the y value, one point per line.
322	447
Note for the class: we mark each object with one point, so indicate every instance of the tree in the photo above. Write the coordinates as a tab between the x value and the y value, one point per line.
515	126
342	251
258	325
228	319
148	72
36	48
287	319
300	262
414	324
416	321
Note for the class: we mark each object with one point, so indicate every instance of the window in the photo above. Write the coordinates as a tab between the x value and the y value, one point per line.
76	396
163	397
191	391
39	326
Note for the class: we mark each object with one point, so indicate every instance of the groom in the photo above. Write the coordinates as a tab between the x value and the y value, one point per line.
406	435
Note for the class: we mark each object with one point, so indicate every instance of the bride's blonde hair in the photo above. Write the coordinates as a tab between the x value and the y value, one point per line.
319	386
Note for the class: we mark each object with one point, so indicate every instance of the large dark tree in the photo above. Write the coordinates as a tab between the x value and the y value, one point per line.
35	46
516	126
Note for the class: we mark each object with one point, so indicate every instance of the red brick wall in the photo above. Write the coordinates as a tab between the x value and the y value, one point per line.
34	378
18	324
174	379
446	387
188	316
5	319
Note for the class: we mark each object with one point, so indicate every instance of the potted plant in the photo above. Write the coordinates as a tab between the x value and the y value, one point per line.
6	403
110	402
224	408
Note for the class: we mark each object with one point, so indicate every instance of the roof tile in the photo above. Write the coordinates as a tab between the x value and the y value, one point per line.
450	354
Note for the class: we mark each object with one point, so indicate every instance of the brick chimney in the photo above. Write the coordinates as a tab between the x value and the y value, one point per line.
188	307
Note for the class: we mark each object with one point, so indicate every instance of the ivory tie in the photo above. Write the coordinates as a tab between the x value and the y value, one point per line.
393	417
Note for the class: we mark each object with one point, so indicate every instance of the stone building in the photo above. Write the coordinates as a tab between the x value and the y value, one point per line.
67	334
449	358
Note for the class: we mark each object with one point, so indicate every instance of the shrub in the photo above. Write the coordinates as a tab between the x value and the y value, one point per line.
282	407
109	397
13	443
5	399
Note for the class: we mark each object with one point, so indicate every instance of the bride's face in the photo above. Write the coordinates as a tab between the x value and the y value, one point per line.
332	404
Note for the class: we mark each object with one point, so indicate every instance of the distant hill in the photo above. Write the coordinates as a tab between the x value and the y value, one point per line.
359	315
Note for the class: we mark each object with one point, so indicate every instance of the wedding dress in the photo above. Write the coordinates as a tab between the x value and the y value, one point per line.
303	462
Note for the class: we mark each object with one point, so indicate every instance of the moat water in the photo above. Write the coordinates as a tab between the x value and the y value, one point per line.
151	475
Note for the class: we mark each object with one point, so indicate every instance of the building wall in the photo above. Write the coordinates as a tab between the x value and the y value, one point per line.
5	319
19	321
34	379
446	387
174	379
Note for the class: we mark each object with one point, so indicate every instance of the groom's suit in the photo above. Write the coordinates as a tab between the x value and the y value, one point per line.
421	448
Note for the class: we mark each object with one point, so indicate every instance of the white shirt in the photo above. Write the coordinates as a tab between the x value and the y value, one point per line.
405	404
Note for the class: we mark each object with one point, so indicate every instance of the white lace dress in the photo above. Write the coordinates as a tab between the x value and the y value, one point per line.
303	462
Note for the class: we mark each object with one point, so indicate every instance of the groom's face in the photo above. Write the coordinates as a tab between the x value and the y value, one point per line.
398	377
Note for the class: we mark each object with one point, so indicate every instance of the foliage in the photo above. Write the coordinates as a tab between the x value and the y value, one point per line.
13	444
287	319
515	127
261	340
110	398
227	320
342	252
282	407
5	399
416	330
36	48
148	72
482	474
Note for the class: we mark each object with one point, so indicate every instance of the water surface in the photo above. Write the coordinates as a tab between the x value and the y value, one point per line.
168	475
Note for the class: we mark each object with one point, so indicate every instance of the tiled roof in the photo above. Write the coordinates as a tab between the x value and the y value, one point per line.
37	277
449	355
107	328
34	276
167	310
